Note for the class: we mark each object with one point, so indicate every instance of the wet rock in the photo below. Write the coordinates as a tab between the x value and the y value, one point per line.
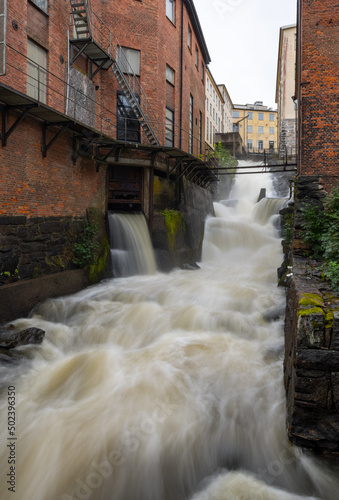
10	356
190	266
10	340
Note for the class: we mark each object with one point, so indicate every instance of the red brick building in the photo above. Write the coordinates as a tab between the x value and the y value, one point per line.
95	101
318	89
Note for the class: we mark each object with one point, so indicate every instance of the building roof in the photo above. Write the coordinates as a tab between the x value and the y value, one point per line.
198	30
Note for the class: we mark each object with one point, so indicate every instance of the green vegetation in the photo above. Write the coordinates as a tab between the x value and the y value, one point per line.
224	156
86	249
287	223
321	232
174	221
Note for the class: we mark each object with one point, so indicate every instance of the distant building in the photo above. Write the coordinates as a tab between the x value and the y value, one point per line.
285	90
214	109
227	120
257	126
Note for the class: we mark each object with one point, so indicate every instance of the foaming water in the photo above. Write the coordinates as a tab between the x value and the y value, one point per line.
166	387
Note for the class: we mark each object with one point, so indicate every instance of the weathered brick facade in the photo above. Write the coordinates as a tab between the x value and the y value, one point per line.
56	182
318	87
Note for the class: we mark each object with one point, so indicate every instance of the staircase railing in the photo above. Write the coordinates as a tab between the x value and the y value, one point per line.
88	24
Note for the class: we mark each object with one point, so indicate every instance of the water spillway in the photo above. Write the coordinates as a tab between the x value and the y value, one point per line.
165	386
131	247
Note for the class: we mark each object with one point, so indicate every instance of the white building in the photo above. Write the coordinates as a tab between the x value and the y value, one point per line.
227	121
214	110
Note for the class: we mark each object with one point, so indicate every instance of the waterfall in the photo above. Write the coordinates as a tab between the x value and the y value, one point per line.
165	386
131	247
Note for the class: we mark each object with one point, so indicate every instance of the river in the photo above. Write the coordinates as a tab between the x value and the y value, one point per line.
165	386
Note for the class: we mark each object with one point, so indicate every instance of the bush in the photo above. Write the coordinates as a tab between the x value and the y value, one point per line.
321	231
85	250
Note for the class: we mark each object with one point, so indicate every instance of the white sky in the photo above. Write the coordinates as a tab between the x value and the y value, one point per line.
242	37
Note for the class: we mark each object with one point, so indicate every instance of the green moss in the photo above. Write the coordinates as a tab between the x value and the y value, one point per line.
96	271
329	319
174	221
313	310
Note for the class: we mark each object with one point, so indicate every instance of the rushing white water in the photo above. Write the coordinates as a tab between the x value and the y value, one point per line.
131	247
165	387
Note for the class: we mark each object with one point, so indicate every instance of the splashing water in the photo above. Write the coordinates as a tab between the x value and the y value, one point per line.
166	387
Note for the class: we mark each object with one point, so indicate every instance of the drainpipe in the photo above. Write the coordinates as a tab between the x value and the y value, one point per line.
299	110
181	71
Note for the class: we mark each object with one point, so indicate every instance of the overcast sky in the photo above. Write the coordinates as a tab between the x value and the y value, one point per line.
242	37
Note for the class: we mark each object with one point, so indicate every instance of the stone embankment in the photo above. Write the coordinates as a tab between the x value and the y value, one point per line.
311	366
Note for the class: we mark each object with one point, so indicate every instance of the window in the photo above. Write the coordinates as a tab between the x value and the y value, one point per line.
170	10
196	56
235	128
190	140
129	60
169	128
128	127
250	129
235	114
249	144
260	145
213	114
36	71
211	109
207	104
250	115
169	74
261	116
271	146
202	72
189	38
42	4
272	117
271	130
260	130
207	130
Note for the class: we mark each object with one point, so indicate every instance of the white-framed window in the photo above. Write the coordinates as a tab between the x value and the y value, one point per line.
249	144
250	129
170	75
260	145
36	71
207	130
250	115
235	114
271	146
42	4
170	10
271	131
261	116
272	117
260	130
207	104
129	60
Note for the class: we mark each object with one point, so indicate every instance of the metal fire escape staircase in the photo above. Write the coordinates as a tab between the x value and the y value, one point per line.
114	58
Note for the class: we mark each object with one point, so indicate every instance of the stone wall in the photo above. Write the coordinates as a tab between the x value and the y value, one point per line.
311	365
30	247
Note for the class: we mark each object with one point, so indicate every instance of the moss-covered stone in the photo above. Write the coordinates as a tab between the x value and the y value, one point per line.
174	221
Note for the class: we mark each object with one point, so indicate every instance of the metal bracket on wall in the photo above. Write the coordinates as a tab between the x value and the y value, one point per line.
4	112
45	146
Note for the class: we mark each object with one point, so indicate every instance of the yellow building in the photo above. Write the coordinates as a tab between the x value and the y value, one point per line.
257	125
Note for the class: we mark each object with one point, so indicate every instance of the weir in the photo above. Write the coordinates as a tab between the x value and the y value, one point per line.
131	246
166	386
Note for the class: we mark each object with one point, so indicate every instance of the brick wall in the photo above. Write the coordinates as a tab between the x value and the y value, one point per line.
319	90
